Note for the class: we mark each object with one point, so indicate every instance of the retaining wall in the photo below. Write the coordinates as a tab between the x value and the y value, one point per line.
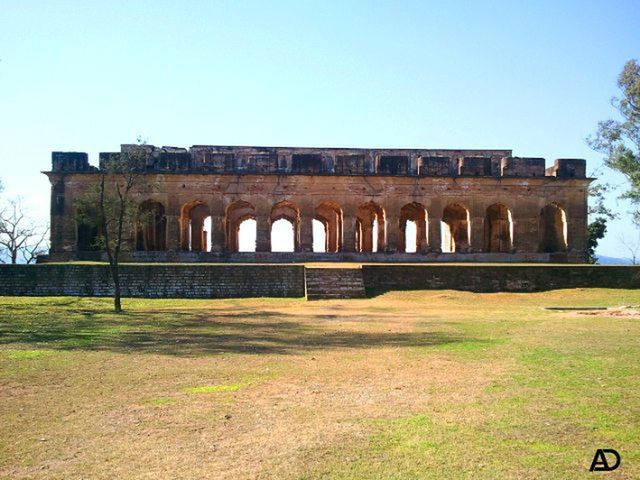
154	281
233	281
500	278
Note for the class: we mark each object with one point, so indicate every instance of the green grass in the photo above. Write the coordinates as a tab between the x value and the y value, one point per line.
212	389
407	385
26	354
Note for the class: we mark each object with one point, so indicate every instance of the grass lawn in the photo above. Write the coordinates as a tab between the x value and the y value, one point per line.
430	384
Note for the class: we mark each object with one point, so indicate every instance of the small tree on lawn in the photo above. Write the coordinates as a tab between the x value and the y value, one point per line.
109	207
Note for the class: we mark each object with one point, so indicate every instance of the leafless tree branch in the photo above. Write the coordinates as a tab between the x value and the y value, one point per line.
21	239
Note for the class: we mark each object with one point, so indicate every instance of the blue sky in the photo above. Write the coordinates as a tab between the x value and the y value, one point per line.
535	77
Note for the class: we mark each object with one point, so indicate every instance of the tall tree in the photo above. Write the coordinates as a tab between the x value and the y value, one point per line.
619	139
595	231
599	215
110	208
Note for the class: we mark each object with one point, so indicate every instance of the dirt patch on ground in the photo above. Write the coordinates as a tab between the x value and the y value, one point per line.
624	311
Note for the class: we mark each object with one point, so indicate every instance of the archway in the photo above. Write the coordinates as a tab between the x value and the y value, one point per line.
498	229
319	229
329	216
194	237
282	236
87	237
240	221
247	235
553	229
151	228
455	228
285	236
413	228
370	228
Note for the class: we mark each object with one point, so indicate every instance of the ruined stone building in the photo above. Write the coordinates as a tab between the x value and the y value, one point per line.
365	204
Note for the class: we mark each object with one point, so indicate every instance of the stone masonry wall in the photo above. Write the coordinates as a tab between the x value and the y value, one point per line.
489	278
512	205
154	281
233	281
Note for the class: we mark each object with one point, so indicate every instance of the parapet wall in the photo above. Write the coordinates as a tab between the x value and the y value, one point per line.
154	281
498	278
329	161
235	281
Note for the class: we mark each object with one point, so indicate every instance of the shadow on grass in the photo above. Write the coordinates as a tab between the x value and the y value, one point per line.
189	334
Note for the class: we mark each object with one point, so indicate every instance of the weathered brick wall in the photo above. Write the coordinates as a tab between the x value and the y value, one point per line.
507	278
155	281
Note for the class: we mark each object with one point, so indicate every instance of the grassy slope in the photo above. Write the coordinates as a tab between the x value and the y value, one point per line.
436	384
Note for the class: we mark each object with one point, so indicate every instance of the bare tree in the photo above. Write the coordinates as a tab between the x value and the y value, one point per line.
21	239
631	245
111	210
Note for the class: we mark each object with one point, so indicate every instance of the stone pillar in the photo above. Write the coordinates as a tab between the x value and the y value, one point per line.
476	228
525	215
197	234
64	224
306	231
335	231
435	233
217	233
421	234
218	225
477	234
576	218
173	232
57	203
263	233
393	232
349	231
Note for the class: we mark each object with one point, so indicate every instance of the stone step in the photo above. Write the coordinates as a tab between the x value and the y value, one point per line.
334	283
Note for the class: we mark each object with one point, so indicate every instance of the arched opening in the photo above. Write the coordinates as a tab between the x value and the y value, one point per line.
282	236
151	231
194	236
247	235
328	215
410	237
455	228
553	229
498	229
240	221
285	236
370	228
206	234
87	237
319	236
413	228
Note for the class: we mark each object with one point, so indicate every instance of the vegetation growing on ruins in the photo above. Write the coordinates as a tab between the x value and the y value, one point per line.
450	385
110	210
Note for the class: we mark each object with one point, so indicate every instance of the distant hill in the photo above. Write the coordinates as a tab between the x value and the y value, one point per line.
604	260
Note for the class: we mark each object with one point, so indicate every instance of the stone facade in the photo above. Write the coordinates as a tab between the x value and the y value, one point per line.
483	204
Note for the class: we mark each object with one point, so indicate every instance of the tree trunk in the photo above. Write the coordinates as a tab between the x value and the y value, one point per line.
117	305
